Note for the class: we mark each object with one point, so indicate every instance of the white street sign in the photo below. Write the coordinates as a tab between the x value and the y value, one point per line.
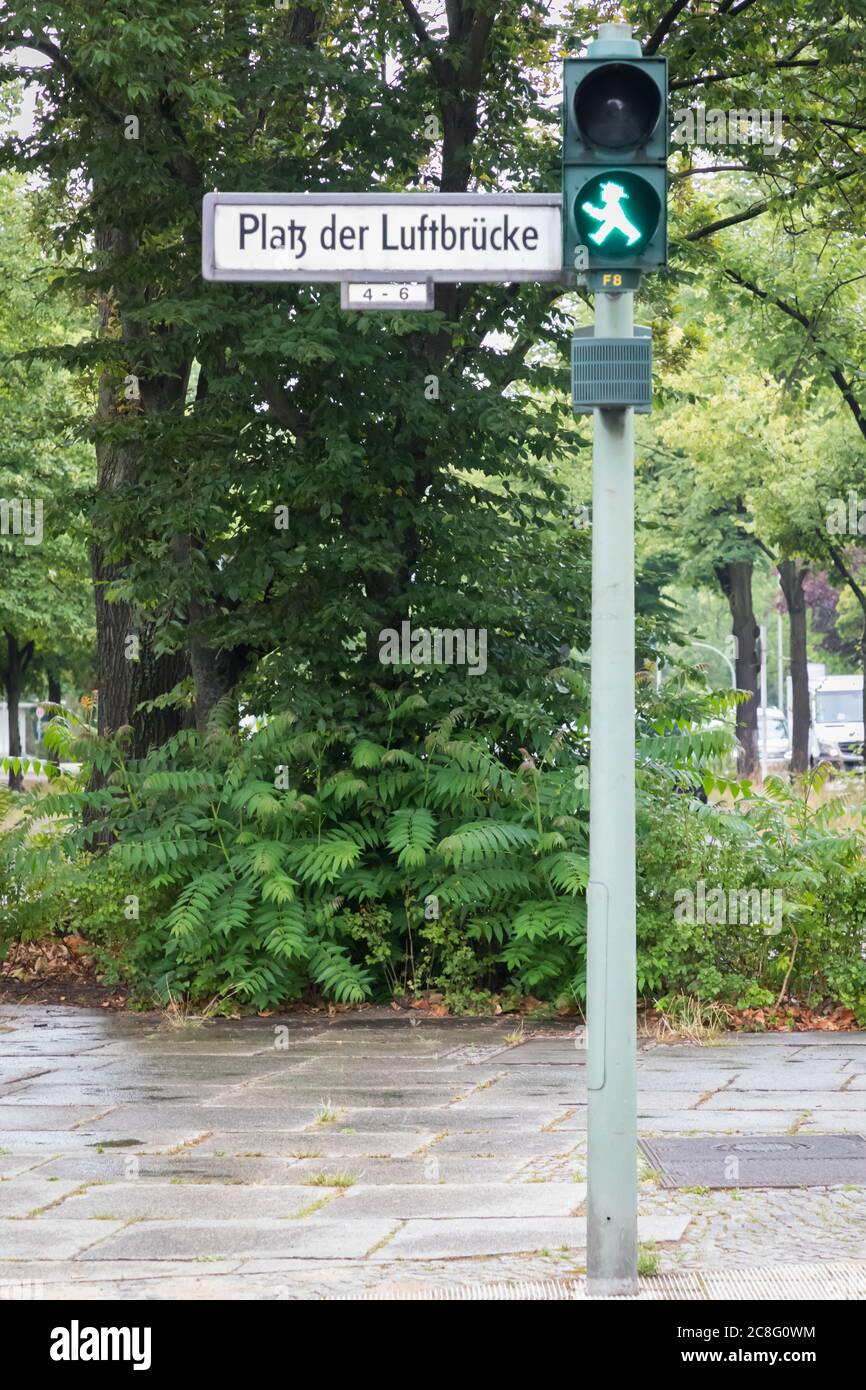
383	294
381	236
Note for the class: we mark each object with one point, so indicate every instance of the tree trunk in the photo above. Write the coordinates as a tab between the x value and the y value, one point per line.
735	578
17	661
129	672
791	576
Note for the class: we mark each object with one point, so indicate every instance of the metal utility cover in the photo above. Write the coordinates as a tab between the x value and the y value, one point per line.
773	1160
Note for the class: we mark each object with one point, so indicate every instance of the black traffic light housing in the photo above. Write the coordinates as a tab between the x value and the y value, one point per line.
614	159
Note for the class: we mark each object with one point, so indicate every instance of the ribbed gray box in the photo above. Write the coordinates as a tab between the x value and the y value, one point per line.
611	373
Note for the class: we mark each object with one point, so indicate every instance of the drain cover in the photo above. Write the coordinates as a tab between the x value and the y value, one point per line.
772	1160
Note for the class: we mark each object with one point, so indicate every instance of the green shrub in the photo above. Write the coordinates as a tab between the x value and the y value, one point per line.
408	858
779	842
298	857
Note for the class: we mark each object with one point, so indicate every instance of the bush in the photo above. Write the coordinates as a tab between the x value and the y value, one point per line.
813	942
298	857
406	858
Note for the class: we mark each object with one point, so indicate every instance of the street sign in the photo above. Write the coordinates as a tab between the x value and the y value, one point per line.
372	237
385	294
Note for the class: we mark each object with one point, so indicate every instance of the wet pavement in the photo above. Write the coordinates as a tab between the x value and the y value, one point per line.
305	1159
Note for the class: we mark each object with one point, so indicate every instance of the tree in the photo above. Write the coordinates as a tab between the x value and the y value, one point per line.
45	599
157	105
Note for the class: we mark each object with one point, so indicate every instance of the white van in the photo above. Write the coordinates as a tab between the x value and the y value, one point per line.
837	721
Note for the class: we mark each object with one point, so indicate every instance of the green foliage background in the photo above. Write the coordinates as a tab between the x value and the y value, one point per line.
454	507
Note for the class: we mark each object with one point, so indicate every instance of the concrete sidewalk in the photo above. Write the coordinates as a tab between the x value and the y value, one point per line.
300	1159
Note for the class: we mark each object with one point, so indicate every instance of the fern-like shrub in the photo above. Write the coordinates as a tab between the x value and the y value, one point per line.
298	857
248	869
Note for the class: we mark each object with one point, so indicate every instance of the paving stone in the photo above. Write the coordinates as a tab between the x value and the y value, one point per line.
789	1078
189	1074
821	1063
324	1142
476	1053
743	1053
11	1072
401	1059
214	1284
704	1121
794	1101
367	1071
185	1166
447	1240
44	1048
511	1143
545	1051
13	1164
339	1097
41	1238
434	1168
695	1079
572	1120
23	1196
100	1098
188	1088
494	1201
21	1116
307	1238
834	1121
507	1101
452	1117
77	1274
55	1142
662	1102
540	1080
555	1168
67	1073
153	1201
146	1051
132	1119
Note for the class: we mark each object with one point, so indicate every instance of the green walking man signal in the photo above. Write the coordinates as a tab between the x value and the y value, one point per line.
612	216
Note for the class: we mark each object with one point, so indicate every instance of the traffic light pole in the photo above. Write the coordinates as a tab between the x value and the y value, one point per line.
611	952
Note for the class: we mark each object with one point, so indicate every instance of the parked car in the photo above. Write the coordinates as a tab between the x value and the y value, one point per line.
778	735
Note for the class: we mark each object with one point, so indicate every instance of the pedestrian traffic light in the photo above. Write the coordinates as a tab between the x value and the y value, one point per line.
614	153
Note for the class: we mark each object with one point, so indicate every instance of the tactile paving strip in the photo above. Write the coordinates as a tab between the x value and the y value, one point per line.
841	1282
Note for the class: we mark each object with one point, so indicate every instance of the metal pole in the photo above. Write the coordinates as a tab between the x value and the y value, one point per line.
780	661
611	972
718	651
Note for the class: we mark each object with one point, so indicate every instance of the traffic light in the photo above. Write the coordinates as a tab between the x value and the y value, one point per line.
614	153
